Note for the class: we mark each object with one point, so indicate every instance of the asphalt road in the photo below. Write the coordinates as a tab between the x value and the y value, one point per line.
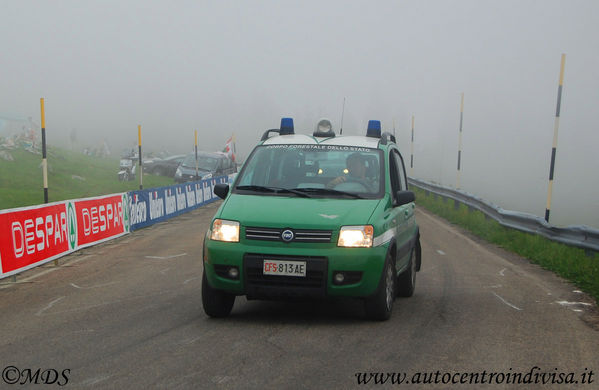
128	314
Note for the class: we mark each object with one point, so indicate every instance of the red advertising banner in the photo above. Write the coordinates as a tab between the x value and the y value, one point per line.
28	236
34	235
101	218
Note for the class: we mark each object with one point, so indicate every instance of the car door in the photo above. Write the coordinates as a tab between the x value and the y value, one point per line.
404	213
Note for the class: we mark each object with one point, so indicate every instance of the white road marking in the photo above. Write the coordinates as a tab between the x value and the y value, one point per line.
577	292
70	310
90	287
189	280
451	228
190	341
164	271
490	255
506	302
566	303
39	313
439	251
9	284
222	379
494	286
502	272
166	257
93	381
47	271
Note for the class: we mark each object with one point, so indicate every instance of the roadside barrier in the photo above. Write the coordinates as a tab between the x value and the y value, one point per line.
32	236
579	236
154	205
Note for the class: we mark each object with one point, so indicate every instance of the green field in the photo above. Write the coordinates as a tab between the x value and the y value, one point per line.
70	175
569	262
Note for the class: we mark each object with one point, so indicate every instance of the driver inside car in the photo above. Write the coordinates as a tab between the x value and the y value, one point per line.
356	167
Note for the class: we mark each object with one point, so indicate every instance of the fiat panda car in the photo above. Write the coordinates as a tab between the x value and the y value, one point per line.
314	216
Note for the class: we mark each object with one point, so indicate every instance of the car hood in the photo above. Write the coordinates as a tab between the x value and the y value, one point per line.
298	213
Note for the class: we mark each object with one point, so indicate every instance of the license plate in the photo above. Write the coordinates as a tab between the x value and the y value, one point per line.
284	268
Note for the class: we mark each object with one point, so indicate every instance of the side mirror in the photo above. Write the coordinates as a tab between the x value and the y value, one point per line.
221	190
404	197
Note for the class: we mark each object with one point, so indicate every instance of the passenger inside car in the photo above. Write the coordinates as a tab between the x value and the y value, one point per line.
356	173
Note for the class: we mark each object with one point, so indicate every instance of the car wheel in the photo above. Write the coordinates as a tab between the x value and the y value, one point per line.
418	255
406	281
379	306
217	303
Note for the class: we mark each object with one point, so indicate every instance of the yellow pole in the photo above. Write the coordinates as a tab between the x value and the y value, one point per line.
412	150
44	158
457	186
555	128
234	151
141	168
196	151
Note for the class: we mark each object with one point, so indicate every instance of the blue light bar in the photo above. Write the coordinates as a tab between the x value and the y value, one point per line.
374	129
286	126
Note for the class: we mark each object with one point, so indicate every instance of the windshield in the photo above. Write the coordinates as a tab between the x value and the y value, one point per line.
205	163
316	170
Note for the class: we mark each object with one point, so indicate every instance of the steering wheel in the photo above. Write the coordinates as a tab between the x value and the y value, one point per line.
362	182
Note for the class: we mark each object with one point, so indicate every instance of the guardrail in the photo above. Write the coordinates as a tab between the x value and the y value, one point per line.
578	235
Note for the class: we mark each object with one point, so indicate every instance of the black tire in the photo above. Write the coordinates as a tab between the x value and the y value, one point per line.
379	306
406	281
217	303
418	255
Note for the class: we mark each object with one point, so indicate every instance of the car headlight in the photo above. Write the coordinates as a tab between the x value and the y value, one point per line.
178	173
224	230
356	236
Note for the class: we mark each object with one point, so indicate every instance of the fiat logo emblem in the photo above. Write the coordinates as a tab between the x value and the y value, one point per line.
287	235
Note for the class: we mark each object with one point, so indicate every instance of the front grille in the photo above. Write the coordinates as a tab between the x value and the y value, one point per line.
300	235
259	285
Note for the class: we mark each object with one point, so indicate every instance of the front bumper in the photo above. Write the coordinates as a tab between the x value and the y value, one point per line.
363	266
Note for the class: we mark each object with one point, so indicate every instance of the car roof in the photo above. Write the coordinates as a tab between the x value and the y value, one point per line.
342	140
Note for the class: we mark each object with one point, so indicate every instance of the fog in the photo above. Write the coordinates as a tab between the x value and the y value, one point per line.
225	68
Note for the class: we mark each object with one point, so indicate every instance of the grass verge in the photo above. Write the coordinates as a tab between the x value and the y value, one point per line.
70	176
569	262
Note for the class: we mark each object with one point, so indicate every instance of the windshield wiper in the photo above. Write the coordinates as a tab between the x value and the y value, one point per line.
328	191
275	190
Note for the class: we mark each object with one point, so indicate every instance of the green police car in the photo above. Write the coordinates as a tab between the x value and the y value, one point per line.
314	216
